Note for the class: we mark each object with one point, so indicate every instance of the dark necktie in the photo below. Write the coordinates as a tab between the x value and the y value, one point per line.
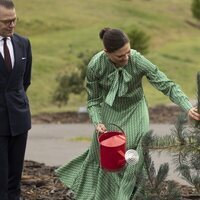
7	56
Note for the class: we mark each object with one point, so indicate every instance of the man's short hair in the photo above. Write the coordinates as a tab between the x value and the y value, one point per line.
7	4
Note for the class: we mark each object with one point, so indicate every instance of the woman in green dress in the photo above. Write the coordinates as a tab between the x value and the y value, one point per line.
115	95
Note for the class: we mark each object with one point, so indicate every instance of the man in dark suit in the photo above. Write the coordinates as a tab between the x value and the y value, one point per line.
15	118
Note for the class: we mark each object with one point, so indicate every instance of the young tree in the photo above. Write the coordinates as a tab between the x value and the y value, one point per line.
196	9
185	140
155	186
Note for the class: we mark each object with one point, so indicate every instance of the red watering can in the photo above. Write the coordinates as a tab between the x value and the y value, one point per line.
113	155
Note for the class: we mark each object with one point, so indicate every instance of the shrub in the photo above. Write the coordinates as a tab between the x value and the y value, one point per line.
196	9
139	40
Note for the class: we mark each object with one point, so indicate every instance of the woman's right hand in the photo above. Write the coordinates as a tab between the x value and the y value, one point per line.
193	114
100	128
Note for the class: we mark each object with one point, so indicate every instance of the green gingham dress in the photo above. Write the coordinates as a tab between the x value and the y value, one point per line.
115	95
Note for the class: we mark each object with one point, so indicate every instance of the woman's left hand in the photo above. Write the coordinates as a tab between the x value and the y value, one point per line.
192	113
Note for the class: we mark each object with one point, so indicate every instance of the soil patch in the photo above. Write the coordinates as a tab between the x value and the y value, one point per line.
39	182
158	114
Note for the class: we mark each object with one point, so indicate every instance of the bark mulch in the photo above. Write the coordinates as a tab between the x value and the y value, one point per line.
158	114
39	181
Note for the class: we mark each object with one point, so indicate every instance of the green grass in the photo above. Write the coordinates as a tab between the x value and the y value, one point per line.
60	30
81	139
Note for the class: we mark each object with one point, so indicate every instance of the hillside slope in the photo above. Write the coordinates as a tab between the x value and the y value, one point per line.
61	30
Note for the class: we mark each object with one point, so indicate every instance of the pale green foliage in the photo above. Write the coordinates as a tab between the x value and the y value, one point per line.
185	141
155	185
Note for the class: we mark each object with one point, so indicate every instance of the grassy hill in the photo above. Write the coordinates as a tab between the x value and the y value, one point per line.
60	30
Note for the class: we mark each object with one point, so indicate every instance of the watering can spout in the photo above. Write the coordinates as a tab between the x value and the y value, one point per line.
132	157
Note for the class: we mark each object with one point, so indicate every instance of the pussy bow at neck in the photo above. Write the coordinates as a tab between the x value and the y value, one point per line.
119	78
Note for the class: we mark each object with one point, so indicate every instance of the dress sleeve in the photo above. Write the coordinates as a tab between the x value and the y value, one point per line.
94	97
161	82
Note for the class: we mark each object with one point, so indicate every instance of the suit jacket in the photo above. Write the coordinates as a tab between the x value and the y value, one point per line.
15	117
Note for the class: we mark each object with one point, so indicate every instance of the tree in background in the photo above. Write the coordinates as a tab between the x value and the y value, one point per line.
139	40
72	83
196	9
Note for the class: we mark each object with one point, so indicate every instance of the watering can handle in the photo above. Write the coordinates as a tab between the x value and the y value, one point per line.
113	125
116	126
98	133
